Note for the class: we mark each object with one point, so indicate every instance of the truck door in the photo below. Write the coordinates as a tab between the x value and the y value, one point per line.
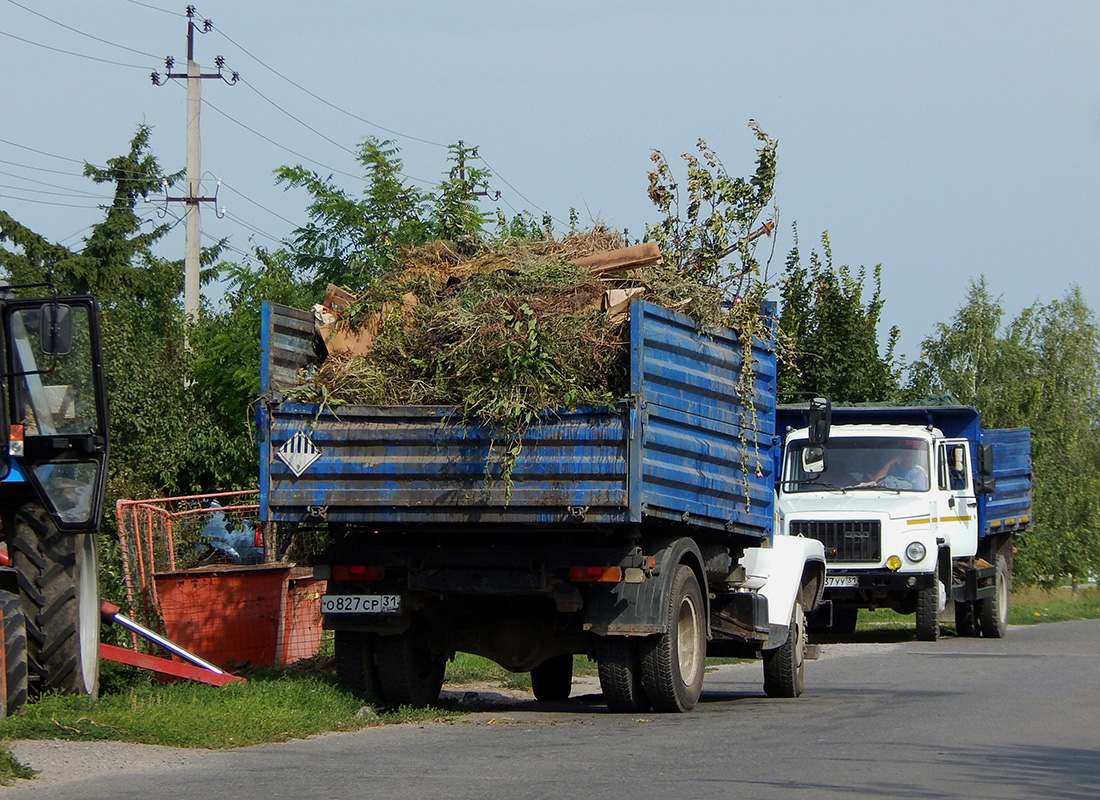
57	412
958	518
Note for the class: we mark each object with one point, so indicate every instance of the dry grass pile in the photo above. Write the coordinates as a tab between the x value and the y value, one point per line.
502	335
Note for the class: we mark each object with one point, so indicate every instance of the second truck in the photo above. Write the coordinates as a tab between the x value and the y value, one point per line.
918	508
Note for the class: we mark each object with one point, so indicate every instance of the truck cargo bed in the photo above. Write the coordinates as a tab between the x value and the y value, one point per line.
681	447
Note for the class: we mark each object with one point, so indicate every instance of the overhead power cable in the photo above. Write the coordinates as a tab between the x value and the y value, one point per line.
71	53
317	97
155	8
80	32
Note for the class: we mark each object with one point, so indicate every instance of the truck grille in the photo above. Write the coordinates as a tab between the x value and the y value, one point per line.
844	540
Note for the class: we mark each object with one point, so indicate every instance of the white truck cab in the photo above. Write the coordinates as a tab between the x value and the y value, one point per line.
893	505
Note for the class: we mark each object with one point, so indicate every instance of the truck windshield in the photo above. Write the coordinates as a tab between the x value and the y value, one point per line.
865	462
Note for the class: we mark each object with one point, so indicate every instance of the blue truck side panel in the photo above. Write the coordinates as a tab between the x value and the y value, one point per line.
682	447
1008	507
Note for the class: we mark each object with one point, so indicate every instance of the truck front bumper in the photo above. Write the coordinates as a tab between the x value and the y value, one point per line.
842	581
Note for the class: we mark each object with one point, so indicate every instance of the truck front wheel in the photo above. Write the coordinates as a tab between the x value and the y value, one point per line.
410	671
673	662
785	666
59	584
928	612
993	610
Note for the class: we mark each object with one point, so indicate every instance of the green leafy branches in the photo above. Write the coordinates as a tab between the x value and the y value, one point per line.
716	219
829	333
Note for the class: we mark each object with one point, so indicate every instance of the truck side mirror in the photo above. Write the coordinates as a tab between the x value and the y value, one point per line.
55	329
985	458
813	460
820	420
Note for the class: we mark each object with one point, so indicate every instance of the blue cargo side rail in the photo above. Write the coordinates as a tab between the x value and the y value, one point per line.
682	447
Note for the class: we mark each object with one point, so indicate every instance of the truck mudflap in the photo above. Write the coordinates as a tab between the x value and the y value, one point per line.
640	608
841	581
974	582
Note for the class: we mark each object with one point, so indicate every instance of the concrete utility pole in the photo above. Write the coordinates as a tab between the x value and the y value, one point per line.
192	197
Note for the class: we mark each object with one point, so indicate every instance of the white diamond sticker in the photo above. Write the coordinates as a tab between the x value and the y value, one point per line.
298	453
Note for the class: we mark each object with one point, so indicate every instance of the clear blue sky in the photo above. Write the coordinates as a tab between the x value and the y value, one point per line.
942	140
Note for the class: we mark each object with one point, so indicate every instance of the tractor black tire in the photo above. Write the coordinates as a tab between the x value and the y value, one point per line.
620	670
674	662
993	611
552	680
410	670
13	670
785	666
59	587
355	667
928	613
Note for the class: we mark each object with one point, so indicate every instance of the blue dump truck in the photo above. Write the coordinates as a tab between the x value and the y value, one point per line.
640	535
918	508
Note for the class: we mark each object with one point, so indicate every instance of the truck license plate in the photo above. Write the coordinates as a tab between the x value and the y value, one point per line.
841	581
360	603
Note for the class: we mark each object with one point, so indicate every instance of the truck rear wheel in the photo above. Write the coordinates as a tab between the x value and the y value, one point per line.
928	613
620	668
673	662
355	662
410	671
785	666
553	679
993	610
966	619
13	670
59	585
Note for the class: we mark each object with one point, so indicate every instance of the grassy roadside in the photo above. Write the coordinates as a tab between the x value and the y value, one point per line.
1028	606
288	704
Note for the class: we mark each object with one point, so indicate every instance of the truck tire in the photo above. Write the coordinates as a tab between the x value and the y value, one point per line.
785	666
59	586
928	613
673	662
355	663
620	669
13	671
410	671
993	611
966	619
553	679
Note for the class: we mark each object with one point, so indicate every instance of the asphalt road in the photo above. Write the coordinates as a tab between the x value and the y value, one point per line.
973	718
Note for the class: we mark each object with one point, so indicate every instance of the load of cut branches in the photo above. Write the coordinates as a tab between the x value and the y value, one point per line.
503	334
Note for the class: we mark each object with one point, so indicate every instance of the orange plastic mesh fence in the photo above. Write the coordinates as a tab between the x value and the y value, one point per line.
195	571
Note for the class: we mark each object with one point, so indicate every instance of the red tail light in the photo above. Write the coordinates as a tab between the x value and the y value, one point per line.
595	574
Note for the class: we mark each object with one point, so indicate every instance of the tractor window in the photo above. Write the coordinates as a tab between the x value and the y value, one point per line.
56	394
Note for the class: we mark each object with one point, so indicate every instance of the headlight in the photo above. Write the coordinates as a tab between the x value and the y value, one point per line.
894	563
915	552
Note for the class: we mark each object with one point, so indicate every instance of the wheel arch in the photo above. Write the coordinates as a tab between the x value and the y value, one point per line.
638	609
